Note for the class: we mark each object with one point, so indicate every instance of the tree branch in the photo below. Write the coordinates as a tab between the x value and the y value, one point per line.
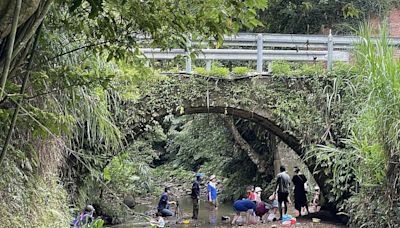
77	49
254	157
22	91
58	89
10	47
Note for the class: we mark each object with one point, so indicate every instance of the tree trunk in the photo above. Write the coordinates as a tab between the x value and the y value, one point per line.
253	155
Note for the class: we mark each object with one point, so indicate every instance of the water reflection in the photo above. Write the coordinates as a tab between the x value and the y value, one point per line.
208	216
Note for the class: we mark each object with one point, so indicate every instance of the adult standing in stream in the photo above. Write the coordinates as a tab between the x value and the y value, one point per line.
196	195
300	194
212	198
282	186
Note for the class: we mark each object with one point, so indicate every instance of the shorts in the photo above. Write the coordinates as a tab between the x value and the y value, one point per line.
283	197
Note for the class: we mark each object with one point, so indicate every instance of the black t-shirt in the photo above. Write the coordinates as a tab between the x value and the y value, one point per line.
298	181
195	190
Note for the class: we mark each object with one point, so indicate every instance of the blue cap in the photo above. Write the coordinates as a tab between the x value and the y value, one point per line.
199	174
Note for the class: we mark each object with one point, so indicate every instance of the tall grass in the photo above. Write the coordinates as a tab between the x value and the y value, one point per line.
365	174
377	130
376	133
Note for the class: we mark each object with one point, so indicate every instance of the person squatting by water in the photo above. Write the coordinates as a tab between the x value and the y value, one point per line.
315	201
282	186
163	204
85	218
247	206
300	195
195	195
262	208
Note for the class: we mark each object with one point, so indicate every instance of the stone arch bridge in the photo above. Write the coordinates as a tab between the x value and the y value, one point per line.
292	108
289	107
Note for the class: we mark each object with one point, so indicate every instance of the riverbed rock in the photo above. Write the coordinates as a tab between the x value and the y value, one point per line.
129	201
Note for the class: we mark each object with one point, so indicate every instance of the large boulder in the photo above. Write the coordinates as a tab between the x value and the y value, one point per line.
7	8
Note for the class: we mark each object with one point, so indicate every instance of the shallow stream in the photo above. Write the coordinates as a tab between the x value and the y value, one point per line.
224	209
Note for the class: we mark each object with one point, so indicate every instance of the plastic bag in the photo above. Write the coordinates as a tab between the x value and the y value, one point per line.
286	217
271	217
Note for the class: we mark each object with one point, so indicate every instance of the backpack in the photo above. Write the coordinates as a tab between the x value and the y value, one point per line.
306	187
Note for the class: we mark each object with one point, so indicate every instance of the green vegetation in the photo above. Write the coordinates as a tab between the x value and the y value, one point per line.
372	144
222	72
281	68
81	76
303	69
240	71
91	119
315	16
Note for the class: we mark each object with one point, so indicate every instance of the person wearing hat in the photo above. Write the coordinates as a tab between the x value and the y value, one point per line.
257	193
196	195
262	208
315	201
212	198
212	191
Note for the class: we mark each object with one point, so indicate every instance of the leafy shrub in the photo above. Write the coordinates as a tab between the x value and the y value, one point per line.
342	68
240	71
310	69
200	70
217	71
281	68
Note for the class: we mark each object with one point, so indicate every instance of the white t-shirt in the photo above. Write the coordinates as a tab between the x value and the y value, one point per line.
161	222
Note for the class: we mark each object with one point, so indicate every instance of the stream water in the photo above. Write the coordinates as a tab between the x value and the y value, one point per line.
224	209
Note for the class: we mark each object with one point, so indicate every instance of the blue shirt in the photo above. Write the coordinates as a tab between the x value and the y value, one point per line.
211	188
162	204
244	205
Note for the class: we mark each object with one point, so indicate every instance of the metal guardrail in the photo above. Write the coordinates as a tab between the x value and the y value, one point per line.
248	54
306	48
296	40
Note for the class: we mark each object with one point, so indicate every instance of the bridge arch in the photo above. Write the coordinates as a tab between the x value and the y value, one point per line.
272	102
277	103
254	116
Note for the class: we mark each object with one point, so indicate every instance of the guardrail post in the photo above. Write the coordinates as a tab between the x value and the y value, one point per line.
330	51
188	58
208	65
259	53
